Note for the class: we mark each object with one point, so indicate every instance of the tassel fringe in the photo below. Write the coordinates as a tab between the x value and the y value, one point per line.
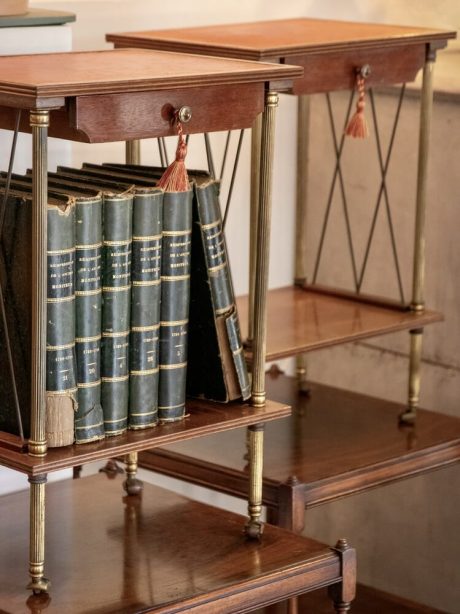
175	177
357	126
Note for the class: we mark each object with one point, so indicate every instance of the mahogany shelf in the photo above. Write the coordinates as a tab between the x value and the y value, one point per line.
159	552
367	601
300	320
335	443
204	418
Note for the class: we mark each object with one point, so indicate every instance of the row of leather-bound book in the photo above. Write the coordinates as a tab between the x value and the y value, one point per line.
140	303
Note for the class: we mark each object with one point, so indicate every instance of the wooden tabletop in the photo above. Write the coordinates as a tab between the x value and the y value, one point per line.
159	552
60	75
284	37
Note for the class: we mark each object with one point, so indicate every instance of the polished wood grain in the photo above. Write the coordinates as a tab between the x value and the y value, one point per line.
301	320
335	443
368	601
204	418
156	553
25	80
280	38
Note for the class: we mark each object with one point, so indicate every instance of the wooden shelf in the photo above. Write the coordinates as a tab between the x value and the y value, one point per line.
159	552
301	320
335	443
368	601
204	418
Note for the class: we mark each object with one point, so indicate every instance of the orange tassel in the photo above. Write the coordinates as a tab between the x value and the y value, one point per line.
175	178
357	126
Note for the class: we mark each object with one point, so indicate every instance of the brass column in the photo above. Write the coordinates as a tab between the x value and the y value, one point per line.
39	122
263	250
254	526
133	152
256	135
132	485
418	279
303	125
38	583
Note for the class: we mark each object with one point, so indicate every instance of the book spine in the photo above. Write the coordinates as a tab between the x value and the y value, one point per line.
175	297
89	419
61	385
116	297
236	346
220	277
145	309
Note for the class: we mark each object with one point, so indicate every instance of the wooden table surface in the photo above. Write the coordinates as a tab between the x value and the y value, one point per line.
160	552
264	39
124	70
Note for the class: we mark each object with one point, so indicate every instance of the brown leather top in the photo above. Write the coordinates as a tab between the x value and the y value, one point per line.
124	70
268	39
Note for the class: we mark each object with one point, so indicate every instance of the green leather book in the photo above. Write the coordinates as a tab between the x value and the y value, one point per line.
217	366
175	297
61	380
145	315
145	293
175	287
61	385
116	312
89	419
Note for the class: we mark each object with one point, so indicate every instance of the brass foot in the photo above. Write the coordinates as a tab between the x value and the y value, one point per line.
343	607
407	417
254	529
39	585
133	486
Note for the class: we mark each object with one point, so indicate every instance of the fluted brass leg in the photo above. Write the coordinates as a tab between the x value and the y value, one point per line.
303	124
254	207
254	526
132	485
38	583
263	250
418	278
39	122
415	365
133	152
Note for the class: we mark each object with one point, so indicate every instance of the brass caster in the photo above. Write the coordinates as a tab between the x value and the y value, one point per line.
39	585
407	418
254	529
133	486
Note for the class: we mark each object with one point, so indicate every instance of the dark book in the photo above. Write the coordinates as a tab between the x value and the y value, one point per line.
89	424
61	386
217	367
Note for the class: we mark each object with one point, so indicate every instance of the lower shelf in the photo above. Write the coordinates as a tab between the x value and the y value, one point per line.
335	443
159	552
204	418
300	320
368	601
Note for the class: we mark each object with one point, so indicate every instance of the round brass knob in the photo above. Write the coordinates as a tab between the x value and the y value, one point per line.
184	114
